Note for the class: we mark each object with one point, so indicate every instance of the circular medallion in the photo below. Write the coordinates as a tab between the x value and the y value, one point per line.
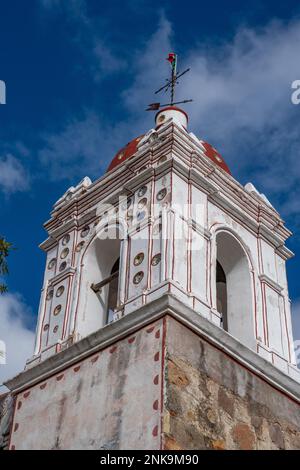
79	246
52	263
66	239
138	259
85	231
138	277
64	253
62	266
163	159
161	194
140	215
49	293
60	291
142	191
46	327
57	310
142	203
55	329
156	259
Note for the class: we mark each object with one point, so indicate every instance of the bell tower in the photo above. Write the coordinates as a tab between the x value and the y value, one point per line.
167	218
164	320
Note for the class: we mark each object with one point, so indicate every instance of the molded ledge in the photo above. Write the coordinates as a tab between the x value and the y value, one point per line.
166	305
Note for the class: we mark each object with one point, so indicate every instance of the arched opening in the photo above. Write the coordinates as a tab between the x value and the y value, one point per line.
99	284
109	287
221	294
233	289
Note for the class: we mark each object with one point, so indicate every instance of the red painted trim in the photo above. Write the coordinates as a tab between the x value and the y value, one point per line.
266	314
155	405
163	355
254	303
10	447
68	306
173	234
190	272
149	248
95	358
286	329
163	348
127	271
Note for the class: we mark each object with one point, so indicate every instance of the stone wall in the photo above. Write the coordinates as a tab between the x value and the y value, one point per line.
6	414
213	402
161	385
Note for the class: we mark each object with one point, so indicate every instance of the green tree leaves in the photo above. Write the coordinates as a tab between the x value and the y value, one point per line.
5	248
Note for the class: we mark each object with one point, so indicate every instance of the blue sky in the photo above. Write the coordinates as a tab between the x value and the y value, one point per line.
79	74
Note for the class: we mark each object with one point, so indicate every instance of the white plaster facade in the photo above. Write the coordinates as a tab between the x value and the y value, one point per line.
178	212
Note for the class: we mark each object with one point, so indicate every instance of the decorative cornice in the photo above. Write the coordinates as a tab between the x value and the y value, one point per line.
267	280
165	305
61	276
188	160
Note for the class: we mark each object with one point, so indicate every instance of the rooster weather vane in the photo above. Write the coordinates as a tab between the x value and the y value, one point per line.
170	85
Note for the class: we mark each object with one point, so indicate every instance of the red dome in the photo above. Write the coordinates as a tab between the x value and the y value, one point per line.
131	148
126	152
215	157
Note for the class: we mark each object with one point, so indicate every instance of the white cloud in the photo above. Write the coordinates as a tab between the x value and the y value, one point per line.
242	94
242	105
87	144
151	68
18	338
82	146
13	176
242	101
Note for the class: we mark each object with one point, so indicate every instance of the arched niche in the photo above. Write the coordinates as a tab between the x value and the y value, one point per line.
233	289
99	281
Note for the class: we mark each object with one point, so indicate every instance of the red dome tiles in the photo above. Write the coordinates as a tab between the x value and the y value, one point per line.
214	156
131	148
126	152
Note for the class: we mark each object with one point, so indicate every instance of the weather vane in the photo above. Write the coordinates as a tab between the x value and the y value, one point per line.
170	85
